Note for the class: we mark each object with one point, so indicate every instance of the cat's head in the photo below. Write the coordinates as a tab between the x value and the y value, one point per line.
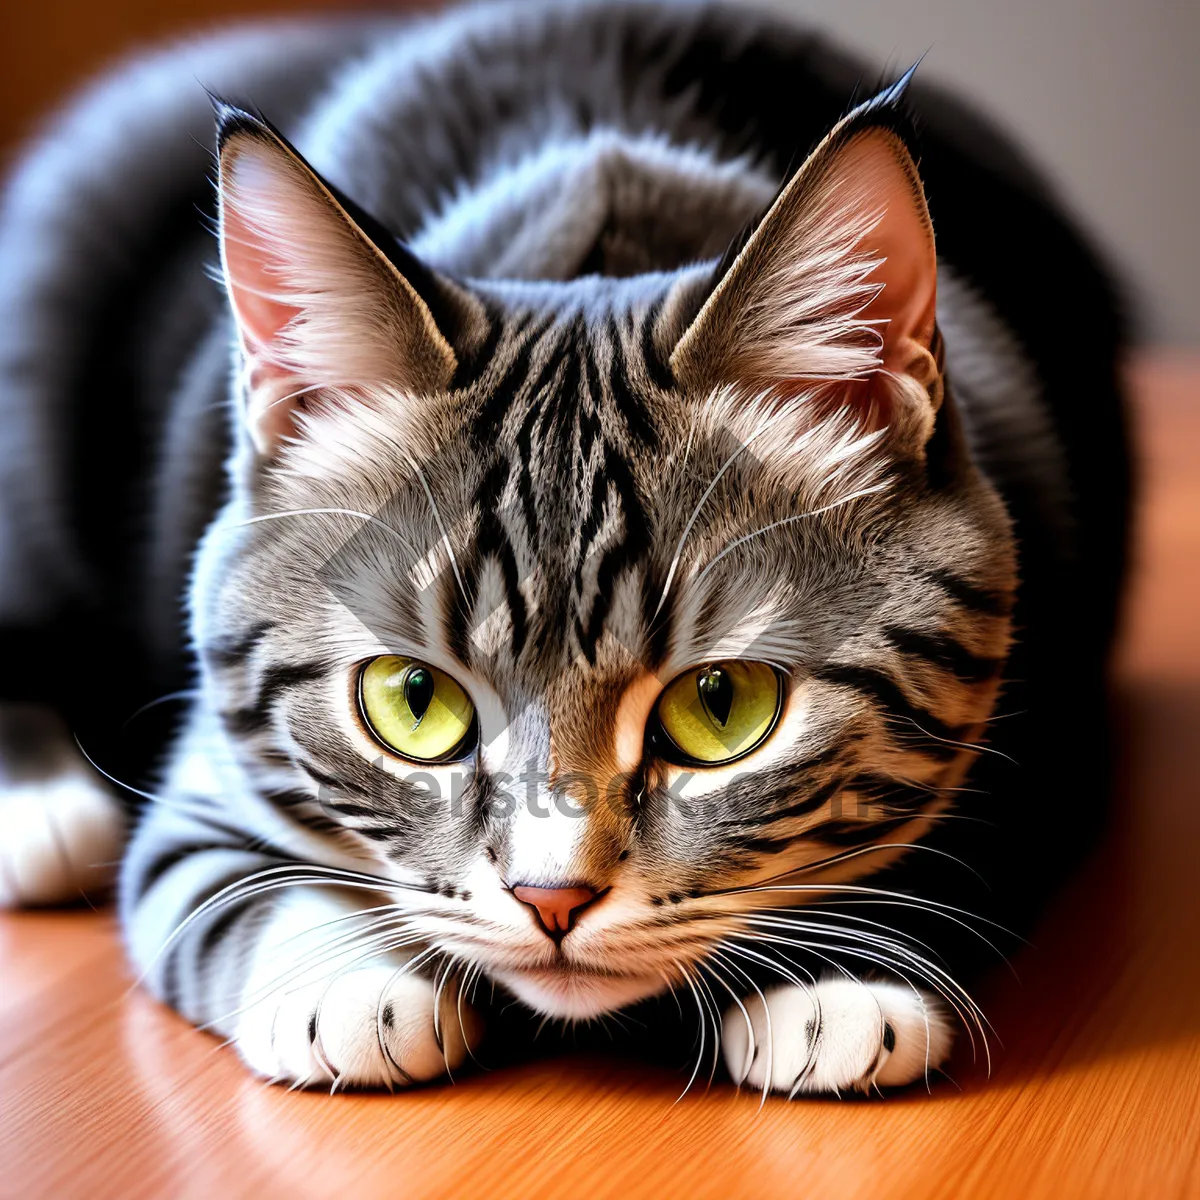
602	614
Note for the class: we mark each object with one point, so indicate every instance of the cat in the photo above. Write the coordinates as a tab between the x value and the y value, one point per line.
627	560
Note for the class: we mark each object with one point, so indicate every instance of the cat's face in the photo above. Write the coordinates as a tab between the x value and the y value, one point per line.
602	593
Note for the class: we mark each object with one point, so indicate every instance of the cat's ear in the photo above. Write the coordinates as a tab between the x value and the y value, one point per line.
832	295
319	304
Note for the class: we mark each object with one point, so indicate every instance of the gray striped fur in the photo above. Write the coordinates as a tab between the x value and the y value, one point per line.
564	525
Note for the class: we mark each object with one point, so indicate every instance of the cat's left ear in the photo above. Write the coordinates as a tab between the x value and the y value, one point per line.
832	296
319	303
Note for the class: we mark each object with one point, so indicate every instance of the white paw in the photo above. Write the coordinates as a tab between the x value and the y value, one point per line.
837	1035
60	839
371	1027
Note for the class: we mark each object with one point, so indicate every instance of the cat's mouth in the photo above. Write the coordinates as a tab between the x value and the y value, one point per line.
577	992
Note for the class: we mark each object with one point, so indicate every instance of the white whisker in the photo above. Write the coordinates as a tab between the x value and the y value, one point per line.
814	512
324	512
437	516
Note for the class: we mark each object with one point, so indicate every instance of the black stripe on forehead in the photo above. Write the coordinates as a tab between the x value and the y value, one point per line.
492	541
623	555
627	403
513	379
598	346
525	486
657	367
589	413
474	361
592	519
568	461
568	401
554	358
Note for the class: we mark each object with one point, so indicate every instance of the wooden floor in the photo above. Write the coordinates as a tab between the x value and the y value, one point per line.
1095	1093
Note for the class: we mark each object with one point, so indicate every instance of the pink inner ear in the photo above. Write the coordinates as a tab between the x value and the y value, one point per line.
252	276
906	307
876	168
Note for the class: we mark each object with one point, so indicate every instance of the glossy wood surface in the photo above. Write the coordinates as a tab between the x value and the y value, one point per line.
1096	1091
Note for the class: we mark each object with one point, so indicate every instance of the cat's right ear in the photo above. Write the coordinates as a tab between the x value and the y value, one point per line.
831	299
319	304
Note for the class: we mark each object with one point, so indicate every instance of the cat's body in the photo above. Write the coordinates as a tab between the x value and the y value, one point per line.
542	504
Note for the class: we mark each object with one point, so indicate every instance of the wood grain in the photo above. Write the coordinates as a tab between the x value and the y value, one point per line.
1096	1092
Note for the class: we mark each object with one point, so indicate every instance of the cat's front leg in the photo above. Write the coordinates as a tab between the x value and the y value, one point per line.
309	986
314	1013
835	1036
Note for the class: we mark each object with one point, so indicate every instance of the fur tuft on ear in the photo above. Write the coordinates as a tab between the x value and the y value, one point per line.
318	304
832	296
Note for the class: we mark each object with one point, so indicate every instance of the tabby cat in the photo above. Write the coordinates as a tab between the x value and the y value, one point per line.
630	566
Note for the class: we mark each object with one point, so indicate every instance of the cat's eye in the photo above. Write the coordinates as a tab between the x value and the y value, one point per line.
719	712
415	709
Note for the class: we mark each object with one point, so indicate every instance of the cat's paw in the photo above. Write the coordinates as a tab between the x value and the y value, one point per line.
835	1036
60	839
366	1028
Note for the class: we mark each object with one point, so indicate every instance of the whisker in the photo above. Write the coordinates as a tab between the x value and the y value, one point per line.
812	512
715	1013
389	1059
381	936
939	980
783	918
975	747
469	979
779	969
751	1045
782	912
350	916
271	879
931	906
701	1014
198	811
738	969
763	426
440	979
437	516
184	694
377	945
317	512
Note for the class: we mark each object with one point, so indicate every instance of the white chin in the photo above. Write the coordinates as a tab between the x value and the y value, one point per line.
577	996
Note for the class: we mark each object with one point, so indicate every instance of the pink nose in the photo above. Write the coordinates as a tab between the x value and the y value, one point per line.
556	907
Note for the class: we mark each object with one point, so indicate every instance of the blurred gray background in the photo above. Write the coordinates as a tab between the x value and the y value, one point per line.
1105	95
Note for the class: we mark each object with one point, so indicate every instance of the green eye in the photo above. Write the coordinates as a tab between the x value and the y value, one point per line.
416	710
720	711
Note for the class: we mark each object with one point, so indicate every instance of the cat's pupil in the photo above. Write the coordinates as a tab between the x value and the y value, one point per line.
716	693
418	692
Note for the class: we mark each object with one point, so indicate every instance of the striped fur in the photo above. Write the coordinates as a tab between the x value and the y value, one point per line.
522	448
